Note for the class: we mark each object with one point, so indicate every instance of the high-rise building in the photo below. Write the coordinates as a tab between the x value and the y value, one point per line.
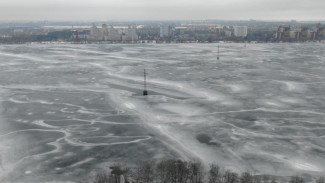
113	34
304	34
294	34
240	31
284	33
320	32
94	34
166	31
104	32
129	34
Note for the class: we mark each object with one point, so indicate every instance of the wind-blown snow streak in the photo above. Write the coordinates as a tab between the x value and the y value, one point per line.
66	109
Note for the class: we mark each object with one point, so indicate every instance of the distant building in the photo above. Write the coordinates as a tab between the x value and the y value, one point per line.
319	32
94	34
294	34
113	34
105	32
283	33
240	31
304	33
166	31
110	33
148	32
228	31
18	32
82	35
130	34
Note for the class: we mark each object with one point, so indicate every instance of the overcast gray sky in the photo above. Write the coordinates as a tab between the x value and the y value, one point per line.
89	10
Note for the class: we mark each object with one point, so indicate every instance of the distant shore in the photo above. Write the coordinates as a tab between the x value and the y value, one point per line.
143	43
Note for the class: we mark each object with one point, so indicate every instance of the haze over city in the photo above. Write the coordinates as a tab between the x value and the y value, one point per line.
102	10
162	91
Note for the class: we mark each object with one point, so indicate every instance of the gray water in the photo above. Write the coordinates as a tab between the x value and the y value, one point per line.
68	110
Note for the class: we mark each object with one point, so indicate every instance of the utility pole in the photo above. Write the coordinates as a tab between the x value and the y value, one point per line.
218	53
145	92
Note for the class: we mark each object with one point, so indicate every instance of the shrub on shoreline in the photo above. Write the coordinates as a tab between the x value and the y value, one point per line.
178	171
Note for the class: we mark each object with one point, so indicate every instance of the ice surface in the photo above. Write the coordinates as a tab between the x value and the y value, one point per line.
67	110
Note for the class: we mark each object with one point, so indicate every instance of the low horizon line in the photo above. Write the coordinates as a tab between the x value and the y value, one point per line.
160	20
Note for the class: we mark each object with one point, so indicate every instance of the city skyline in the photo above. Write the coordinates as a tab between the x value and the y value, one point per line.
82	10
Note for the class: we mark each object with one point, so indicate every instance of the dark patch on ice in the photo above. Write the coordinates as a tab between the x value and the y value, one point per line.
247	117
205	139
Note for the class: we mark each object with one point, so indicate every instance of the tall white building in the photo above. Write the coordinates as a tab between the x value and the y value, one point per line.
104	32
113	34
165	30
110	33
94	34
240	31
129	34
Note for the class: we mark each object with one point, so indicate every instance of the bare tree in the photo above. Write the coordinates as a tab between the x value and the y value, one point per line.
102	177
172	171
246	177
273	180
137	175
230	177
126	173
145	173
296	179
181	171
266	178
215	174
257	179
148	172
196	171
162	171
320	180
178	171
119	172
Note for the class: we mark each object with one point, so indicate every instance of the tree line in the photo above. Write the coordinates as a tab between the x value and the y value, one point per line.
178	171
